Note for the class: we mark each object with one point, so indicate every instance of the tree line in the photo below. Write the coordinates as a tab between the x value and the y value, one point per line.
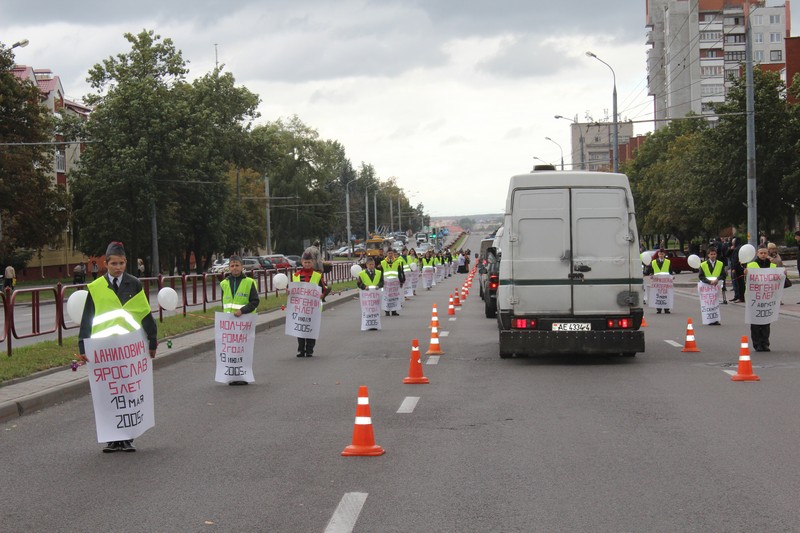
185	161
689	178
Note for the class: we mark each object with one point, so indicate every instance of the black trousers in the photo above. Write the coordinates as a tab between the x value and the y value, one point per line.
759	333
306	346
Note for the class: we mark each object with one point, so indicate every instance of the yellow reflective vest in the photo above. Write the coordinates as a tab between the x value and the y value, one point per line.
110	316
231	302
663	269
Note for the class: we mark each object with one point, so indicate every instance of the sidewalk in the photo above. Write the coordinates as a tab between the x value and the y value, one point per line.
43	389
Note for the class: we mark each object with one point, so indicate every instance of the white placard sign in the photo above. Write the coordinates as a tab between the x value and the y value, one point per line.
370	309
427	277
661	293
235	338
414	275
763	293
392	295
709	301
121	381
304	310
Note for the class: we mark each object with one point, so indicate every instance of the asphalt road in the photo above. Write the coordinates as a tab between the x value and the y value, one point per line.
664	441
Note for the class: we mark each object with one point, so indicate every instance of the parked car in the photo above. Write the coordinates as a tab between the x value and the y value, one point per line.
678	261
490	280
278	260
220	265
264	263
294	260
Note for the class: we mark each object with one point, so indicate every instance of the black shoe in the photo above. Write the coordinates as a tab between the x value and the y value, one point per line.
724	302
658	311
112	447
714	324
395	313
387	313
309	354
765	349
237	383
127	446
666	311
300	354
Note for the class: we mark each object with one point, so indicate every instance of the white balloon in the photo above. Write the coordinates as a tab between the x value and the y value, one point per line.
647	258
414	266
355	270
280	281
747	253
168	298
694	261
75	305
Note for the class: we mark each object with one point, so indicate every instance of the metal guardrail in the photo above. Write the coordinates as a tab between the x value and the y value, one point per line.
194	290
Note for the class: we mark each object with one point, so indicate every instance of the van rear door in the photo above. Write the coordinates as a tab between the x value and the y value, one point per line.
571	246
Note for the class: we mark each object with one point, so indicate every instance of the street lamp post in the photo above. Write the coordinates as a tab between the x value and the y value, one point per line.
561	149
366	212
20	44
347	207
538	159
616	132
581	141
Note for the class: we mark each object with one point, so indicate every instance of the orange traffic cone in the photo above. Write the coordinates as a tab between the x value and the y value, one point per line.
451	310
745	370
435	348
363	439
464	293
690	345
644	322
434	317
456	299
415	376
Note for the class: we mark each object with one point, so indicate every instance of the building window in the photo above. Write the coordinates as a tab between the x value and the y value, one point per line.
710	35
61	161
712	90
711	53
708	72
736	38
758	55
758	37
775	55
774	19
758	20
707	107
733	74
734	56
774	37
733	21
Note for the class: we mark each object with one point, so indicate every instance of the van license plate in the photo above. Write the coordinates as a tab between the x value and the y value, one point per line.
571	326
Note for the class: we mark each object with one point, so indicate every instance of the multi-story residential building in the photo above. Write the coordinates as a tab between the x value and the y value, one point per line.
698	48
592	144
58	258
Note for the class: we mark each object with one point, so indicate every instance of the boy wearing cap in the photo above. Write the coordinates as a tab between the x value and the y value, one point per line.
660	265
117	291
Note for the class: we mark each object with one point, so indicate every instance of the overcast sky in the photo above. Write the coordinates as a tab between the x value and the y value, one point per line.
451	97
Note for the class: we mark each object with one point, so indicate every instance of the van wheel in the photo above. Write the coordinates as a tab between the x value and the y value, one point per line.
489	310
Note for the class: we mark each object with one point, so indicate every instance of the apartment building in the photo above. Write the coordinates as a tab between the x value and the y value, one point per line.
58	258
592	144
697	48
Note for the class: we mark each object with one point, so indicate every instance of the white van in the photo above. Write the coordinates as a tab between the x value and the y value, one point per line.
570	276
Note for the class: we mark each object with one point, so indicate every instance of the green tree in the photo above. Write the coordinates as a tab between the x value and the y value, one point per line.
34	210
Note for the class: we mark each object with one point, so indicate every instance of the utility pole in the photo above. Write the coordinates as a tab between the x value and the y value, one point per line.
752	205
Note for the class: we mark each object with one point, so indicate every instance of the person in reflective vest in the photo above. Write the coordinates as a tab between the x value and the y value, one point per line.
369	277
712	272
759	333
393	269
307	274
660	265
116	305
239	292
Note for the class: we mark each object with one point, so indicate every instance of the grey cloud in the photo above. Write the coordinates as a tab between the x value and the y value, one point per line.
524	56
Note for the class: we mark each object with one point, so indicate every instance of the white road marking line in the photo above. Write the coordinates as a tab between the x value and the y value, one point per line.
673	343
444	333
731	372
408	405
432	360
452	319
346	513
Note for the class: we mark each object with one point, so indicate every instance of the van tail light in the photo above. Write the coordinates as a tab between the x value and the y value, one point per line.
523	323
493	282
620	323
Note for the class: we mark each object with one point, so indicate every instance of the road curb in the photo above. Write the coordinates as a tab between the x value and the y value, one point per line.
80	387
